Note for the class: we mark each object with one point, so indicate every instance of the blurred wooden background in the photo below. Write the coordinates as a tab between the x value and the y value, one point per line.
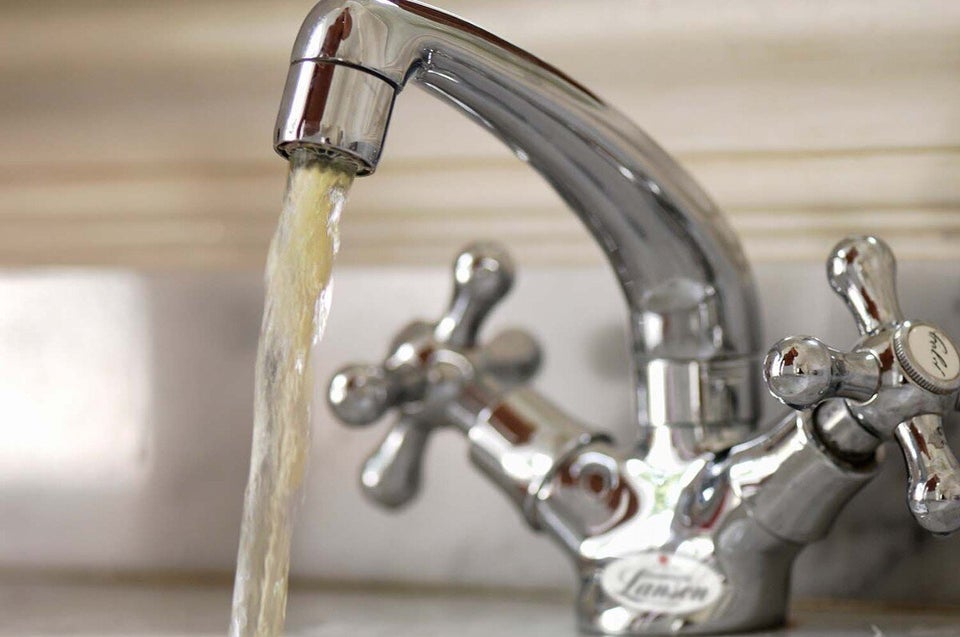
138	133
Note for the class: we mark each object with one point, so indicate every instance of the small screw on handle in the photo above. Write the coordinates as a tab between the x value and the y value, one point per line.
419	383
801	372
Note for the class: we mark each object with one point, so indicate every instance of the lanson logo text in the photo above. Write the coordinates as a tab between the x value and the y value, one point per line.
662	583
644	585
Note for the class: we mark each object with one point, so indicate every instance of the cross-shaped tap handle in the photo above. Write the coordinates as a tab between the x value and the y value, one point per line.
863	271
426	369
899	380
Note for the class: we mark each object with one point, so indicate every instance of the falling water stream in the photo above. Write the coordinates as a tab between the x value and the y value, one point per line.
299	287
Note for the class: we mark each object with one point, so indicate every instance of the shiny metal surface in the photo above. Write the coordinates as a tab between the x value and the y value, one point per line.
352	115
934	490
862	271
802	371
519	440
425	373
682	532
913	366
927	357
729	524
745	515
668	244
678	393
842	434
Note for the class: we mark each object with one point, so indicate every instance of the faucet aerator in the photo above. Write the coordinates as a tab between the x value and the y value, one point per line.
338	111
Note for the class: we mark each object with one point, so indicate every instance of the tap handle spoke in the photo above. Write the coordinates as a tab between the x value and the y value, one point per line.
482	275
391	474
362	394
426	370
802	371
898	381
863	271
933	493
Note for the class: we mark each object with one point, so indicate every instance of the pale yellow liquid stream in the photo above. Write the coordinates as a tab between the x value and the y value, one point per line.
298	279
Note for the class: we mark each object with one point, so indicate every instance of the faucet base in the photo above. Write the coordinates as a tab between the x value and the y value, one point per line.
701	545
664	593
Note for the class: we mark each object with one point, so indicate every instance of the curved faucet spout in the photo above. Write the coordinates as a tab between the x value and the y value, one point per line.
687	284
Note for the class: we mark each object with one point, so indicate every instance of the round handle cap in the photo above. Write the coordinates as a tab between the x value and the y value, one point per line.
928	357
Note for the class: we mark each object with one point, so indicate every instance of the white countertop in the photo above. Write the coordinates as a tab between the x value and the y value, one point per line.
154	610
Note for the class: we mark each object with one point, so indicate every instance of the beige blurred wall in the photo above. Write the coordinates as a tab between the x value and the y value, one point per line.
138	133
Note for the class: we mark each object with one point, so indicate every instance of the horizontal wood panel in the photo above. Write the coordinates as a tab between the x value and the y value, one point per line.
223	216
138	133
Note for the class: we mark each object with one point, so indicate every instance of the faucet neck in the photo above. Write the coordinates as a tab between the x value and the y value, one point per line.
663	237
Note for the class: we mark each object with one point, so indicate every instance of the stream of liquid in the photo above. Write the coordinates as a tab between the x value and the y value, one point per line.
299	287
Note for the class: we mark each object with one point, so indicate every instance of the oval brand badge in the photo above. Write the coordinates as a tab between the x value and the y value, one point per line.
934	352
662	583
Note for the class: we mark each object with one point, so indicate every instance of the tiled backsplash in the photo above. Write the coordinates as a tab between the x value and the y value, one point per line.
130	395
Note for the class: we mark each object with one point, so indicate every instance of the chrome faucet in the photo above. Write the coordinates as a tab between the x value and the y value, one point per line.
689	529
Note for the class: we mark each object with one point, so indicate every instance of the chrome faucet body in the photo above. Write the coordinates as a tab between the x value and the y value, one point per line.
688	287
690	530
664	539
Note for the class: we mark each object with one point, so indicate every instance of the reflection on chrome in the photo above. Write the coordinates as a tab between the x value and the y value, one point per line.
690	529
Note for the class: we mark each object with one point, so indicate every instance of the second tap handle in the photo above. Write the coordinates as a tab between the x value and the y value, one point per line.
933	494
391	475
863	270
